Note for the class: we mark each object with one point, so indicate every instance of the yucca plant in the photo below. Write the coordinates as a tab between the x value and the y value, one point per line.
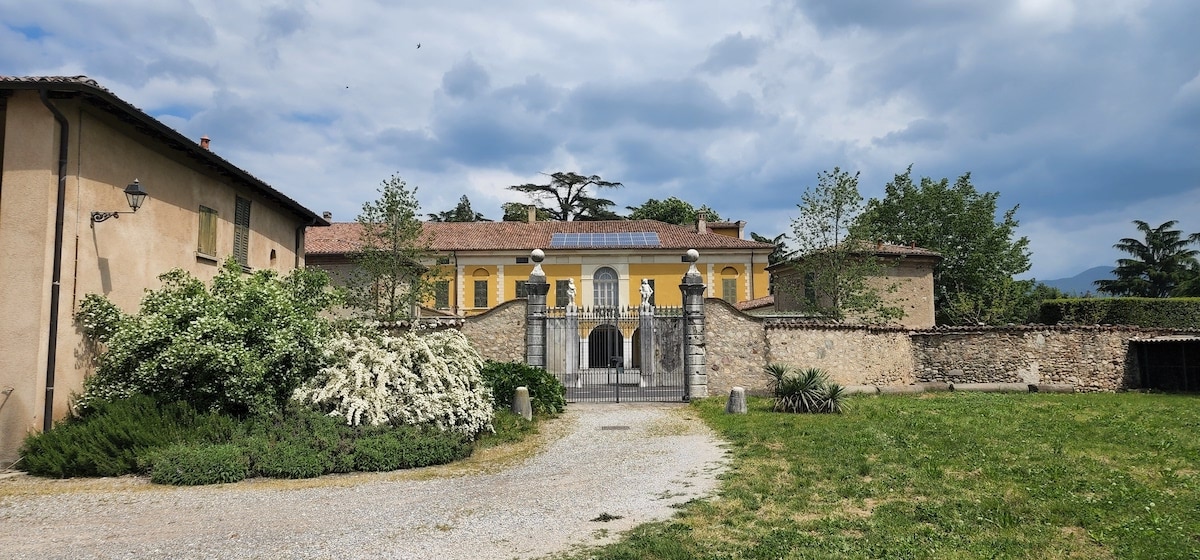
809	390
776	372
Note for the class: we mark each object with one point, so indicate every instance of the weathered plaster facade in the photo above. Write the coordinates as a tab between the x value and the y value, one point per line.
120	257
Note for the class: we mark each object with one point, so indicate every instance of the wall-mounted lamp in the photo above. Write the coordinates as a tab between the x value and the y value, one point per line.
133	194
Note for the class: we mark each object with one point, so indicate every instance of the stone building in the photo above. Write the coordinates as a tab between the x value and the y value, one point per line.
906	282
71	155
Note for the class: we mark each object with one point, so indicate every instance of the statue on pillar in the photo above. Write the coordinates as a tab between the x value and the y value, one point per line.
646	292
570	293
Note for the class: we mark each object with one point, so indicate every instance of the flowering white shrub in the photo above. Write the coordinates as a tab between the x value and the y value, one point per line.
416	378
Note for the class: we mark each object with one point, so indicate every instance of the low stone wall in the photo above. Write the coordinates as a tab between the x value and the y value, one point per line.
851	355
499	334
735	347
1092	358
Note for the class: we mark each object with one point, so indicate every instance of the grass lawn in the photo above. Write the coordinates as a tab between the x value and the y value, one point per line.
948	475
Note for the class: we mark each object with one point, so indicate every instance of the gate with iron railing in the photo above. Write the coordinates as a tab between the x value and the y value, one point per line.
617	354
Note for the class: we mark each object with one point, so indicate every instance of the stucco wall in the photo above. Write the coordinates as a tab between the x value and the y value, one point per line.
1090	358
118	258
499	334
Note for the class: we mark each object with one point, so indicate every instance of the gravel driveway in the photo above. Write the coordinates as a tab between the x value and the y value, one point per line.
633	461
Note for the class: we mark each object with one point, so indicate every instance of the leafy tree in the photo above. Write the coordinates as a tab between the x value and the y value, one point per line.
1162	265
391	277
980	253
1008	301
671	211
240	347
517	212
781	252
834	263
460	213
569	199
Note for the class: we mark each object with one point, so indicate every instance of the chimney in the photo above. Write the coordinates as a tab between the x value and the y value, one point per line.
532	213
327	215
204	141
701	223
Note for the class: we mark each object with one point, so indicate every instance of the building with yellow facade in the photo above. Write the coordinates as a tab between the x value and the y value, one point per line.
484	264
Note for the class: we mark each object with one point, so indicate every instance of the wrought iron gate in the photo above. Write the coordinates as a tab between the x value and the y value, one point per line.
614	354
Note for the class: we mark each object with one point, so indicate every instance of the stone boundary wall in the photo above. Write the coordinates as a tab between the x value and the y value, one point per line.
736	348
1092	358
851	355
1089	358
499	333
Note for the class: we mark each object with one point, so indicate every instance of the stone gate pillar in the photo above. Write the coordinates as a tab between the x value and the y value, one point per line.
695	378
535	312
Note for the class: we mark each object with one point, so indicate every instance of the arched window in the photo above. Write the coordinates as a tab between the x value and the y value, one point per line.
481	287
604	288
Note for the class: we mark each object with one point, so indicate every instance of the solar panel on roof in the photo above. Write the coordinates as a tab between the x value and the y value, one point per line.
619	239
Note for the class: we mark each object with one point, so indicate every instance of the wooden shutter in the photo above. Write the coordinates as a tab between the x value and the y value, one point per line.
241	232
206	240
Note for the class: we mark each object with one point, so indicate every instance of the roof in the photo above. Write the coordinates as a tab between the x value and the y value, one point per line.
757	303
106	100
344	237
883	250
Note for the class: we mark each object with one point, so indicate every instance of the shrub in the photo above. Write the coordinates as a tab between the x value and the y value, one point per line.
290	460
405	448
808	390
411	379
1173	313
241	347
112	438
194	464
546	392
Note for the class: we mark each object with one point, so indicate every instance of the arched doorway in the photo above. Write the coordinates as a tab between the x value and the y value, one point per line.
605	342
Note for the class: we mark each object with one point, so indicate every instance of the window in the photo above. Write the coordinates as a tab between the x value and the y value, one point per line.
604	288
729	284
443	260
521	289
561	298
441	294
522	260
481	293
241	232
206	243
729	289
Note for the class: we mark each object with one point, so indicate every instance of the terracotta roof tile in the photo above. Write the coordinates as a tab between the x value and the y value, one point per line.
755	303
343	237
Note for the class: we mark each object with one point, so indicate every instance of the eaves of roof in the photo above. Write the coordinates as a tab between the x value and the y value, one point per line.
106	100
345	237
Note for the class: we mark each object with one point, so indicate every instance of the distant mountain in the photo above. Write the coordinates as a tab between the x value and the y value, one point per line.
1082	283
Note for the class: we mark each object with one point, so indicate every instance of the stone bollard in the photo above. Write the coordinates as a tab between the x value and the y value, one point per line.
521	404
737	401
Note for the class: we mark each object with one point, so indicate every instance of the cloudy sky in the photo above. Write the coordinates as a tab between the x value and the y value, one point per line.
1086	113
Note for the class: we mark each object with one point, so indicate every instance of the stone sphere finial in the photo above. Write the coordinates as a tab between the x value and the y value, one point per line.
692	255
537	255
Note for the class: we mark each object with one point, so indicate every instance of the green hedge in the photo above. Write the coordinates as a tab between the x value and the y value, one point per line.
546	393
1171	313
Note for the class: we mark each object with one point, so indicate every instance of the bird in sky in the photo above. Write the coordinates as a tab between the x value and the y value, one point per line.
418	45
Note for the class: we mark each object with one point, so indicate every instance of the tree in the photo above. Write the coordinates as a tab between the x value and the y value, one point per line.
835	265
241	346
781	252
517	212
1161	265
671	211
460	213
980	254
569	199
391	277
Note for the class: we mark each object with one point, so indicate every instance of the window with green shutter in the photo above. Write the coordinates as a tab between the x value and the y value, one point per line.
521	292
729	289
206	241
241	232
441	294
561	299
